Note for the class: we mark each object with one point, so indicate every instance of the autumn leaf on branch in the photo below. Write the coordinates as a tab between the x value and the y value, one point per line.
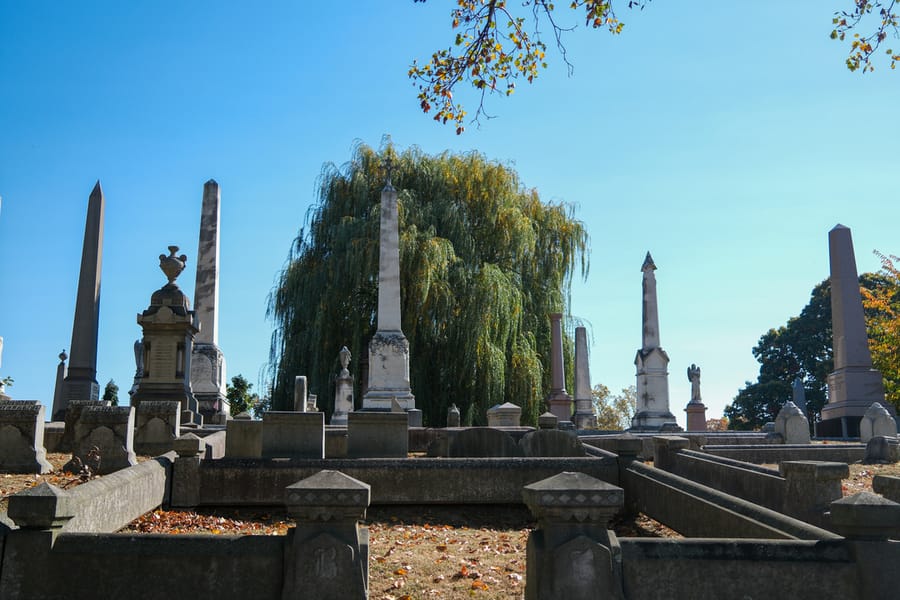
495	46
863	47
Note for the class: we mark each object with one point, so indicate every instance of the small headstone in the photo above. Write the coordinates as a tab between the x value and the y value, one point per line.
300	393
882	449
791	423
504	415
769	427
453	419
22	438
876	421
111	430
415	417
312	403
550	443
72	415
243	438
482	442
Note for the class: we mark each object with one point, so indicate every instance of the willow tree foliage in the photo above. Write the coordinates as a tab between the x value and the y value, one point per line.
483	262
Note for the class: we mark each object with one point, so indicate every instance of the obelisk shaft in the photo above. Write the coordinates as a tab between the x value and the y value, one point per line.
81	378
206	289
389	263
649	310
851	345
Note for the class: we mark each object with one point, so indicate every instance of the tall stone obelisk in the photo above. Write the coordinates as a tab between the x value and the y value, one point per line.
855	384
389	348
652	363
207	361
559	402
584	417
81	378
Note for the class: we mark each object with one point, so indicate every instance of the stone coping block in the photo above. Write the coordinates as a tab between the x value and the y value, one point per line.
288	434
44	506
572	496
328	495
189	446
888	486
820	471
866	516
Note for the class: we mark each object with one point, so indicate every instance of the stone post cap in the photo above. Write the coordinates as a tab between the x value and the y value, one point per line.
505	407
573	497
42	507
672	442
548	421
866	516
243	416
814	469
328	496
629	445
188	446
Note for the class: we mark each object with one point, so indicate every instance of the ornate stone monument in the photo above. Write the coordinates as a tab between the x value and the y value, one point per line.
855	384
696	410
169	328
343	391
652	363
559	401
81	378
208	379
584	402
389	348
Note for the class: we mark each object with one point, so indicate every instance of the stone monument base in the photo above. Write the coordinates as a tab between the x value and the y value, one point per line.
696	416
560	405
852	391
650	421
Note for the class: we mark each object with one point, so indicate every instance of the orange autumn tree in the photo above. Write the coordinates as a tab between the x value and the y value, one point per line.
882	304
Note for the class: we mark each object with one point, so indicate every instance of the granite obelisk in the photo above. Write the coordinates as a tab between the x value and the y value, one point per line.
559	402
207	361
81	377
584	417
652	362
854	385
389	348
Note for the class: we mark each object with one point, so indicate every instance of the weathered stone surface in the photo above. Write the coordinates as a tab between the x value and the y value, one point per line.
22	438
551	442
377	435
453	417
44	506
866	516
882	449
584	417
243	438
343	391
293	434
888	486
157	426
328	496
559	402
111	430
548	421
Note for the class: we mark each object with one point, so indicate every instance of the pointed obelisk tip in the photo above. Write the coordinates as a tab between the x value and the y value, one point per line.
648	263
839	226
212	182
97	191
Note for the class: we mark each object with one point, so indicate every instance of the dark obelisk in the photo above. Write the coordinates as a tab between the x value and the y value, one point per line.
854	385
81	379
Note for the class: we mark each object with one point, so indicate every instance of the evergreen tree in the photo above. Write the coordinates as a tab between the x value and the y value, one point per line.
483	263
111	393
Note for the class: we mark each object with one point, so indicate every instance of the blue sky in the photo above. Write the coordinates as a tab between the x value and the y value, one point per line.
725	138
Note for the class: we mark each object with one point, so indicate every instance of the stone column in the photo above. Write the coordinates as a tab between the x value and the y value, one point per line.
81	379
327	553
854	385
58	408
652	362
571	554
389	348
559	401
584	404
208	378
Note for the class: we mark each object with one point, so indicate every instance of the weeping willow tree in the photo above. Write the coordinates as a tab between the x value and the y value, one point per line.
483	262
